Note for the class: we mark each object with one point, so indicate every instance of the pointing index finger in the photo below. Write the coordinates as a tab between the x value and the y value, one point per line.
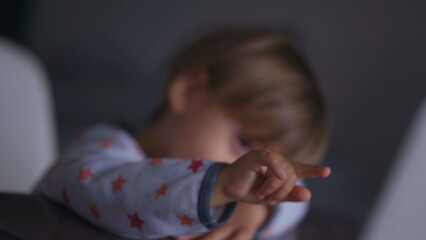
304	170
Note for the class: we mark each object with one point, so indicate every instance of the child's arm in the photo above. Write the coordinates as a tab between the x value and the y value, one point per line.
249	178
260	221
243	224
105	180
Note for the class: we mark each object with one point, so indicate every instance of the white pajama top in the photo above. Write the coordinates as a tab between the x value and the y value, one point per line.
105	177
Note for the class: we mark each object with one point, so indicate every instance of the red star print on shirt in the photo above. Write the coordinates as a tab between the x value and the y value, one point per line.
94	211
117	184
85	173
155	161
184	220
105	143
135	221
161	191
65	197
195	164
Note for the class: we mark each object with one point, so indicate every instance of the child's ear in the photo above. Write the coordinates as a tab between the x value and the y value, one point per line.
185	88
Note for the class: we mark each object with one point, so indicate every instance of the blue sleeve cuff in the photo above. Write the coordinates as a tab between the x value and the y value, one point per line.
204	199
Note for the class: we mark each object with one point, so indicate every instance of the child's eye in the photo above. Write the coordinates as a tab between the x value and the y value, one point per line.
244	143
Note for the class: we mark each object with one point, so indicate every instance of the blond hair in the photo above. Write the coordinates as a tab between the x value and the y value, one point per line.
261	80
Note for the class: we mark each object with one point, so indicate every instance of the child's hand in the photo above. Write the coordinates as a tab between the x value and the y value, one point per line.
264	177
243	224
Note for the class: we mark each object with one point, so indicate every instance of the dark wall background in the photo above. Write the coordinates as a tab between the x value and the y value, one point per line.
12	15
106	62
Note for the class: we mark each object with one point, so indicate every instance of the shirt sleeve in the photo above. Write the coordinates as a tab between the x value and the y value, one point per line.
284	218
105	177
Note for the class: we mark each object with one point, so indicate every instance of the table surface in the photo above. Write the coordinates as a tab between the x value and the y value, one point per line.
37	218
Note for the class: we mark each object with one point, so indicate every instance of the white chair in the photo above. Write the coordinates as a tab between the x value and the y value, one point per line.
27	129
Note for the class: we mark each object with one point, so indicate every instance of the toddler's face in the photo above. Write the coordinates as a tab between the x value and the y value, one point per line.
200	127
